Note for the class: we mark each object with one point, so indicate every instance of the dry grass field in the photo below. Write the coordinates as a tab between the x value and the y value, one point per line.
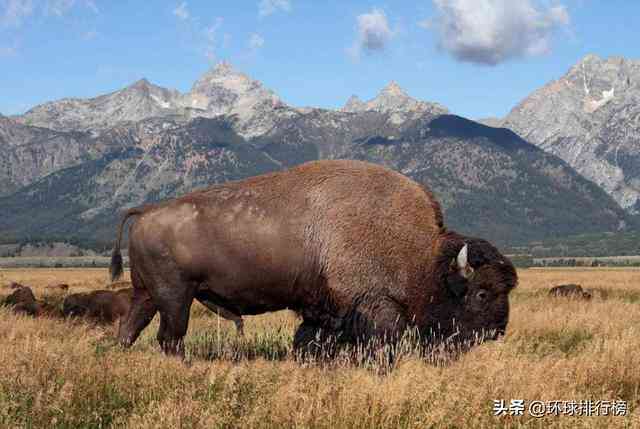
57	373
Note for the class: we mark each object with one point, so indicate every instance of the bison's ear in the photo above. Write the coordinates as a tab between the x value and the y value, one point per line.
462	263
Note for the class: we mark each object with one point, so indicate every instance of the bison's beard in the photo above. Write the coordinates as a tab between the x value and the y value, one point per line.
450	342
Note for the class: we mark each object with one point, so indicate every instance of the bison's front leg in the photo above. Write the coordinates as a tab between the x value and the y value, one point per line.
312	341
376	325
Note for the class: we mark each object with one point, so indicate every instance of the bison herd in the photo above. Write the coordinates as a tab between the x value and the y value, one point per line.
101	306
360	252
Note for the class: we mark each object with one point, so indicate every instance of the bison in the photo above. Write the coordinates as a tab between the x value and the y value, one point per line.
570	290
102	306
23	301
359	251
105	306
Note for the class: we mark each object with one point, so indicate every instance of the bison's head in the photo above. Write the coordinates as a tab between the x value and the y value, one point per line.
475	281
74	305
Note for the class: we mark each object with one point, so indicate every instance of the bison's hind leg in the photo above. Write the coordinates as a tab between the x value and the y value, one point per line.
174	304
140	313
174	321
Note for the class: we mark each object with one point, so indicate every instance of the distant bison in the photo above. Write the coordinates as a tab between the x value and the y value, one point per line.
358	250
570	290
102	306
23	301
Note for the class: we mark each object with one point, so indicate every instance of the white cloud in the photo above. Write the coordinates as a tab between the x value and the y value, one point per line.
210	31
490	32
268	7
372	33
62	7
92	5
13	12
256	42
204	39
211	39
181	11
58	7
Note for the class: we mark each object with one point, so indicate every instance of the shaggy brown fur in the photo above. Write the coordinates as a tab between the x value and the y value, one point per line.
358	250
101	306
570	290
23	301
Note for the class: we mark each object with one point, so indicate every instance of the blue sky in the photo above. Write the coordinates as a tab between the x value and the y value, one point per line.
477	57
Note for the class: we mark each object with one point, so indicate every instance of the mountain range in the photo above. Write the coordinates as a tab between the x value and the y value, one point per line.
70	166
590	117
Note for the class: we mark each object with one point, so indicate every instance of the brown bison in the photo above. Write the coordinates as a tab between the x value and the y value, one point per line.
570	290
358	250
105	306
23	301
102	306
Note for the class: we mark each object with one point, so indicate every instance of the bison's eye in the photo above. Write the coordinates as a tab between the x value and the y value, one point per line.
482	295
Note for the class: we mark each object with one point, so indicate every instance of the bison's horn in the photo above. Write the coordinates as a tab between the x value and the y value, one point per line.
463	264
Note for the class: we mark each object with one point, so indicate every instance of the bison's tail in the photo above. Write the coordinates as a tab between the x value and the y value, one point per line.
116	257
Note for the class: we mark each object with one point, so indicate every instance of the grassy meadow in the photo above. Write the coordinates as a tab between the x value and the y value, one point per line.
59	374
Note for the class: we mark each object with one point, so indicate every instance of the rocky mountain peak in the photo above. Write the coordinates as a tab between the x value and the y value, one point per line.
593	71
138	101
222	88
225	91
224	67
140	84
224	75
590	118
354	104
590	58
393	89
393	99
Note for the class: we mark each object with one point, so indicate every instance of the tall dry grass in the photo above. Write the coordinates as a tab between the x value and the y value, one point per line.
57	373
